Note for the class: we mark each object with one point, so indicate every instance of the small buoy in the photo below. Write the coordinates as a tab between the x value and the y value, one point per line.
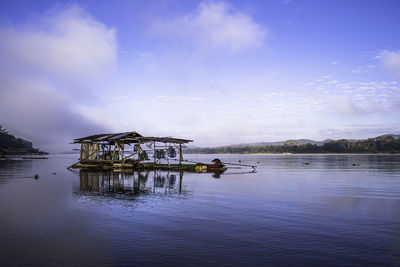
36	177
201	168
258	162
239	160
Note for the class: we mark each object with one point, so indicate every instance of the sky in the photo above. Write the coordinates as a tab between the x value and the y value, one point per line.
217	72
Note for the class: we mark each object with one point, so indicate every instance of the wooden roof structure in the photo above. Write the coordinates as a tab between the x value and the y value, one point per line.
127	137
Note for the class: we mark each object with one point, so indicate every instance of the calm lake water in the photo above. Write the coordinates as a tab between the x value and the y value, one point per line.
335	210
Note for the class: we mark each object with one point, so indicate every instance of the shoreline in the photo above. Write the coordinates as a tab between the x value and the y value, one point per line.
360	153
40	153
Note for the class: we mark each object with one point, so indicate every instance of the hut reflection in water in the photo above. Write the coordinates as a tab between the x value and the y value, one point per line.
130	183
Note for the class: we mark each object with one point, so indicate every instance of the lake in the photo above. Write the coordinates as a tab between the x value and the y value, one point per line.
295	210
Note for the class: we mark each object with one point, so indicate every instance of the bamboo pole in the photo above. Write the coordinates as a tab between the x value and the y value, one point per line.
113	154
180	154
123	154
166	153
139	152
154	155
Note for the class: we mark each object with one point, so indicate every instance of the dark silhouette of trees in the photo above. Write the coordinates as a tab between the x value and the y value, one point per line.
3	130
12	143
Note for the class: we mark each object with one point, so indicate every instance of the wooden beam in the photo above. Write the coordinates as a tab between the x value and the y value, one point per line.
180	154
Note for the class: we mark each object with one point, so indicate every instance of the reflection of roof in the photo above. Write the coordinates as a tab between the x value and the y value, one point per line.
128	137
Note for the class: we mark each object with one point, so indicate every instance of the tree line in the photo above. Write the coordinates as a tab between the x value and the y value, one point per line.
9	142
383	144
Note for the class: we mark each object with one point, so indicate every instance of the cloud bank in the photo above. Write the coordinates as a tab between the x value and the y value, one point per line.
47	65
216	26
391	61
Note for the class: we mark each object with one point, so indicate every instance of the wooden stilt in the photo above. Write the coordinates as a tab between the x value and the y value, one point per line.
113	154
154	155
139	152
123	155
180	154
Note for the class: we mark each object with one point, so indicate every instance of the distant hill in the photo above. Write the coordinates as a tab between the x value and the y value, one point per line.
306	141
281	143
11	145
395	136
388	143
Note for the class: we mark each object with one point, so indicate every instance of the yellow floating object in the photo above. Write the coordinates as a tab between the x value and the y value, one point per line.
201	168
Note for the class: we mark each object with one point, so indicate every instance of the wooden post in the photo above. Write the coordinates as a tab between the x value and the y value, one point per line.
97	151
180	154
138	150
81	157
154	155
123	154
113	154
166	153
119	151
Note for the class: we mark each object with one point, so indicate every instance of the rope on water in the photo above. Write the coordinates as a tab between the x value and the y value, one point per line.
226	163
243	165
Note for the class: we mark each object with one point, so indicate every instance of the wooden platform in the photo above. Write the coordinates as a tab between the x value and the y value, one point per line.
107	165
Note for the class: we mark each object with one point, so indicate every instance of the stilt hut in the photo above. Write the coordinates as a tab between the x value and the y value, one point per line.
131	150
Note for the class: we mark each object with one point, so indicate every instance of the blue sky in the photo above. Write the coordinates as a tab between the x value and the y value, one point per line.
220	72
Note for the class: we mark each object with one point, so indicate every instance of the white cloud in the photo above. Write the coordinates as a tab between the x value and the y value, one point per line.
359	131
48	65
358	71
67	43
216	25
285	2
391	61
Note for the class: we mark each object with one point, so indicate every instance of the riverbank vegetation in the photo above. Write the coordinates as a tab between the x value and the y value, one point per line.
381	144
11	145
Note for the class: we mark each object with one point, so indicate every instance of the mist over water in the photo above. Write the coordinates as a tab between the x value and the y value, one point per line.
296	209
